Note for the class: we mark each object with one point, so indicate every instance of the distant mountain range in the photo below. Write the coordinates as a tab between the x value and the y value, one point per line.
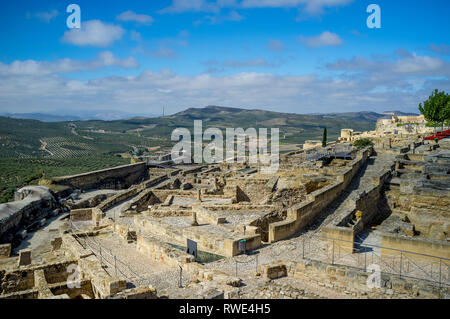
110	115
41	134
82	116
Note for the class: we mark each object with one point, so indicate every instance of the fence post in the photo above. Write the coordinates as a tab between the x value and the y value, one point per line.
181	274
256	263
365	261
401	260
440	272
303	248
332	257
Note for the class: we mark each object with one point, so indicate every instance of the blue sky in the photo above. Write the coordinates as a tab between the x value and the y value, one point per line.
300	56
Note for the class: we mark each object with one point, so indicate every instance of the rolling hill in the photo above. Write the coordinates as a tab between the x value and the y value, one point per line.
31	149
22	138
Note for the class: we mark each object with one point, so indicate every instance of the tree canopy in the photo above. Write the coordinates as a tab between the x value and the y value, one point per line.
437	107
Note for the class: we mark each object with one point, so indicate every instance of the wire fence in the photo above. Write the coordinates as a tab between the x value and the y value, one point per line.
118	267
392	261
105	255
247	263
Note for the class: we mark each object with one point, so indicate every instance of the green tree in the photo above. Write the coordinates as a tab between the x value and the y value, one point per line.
363	143
324	137
437	108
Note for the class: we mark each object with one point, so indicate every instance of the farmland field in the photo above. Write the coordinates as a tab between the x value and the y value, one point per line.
31	149
19	172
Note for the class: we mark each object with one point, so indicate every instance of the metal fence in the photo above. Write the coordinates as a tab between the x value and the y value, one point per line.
397	262
105	255
117	267
247	261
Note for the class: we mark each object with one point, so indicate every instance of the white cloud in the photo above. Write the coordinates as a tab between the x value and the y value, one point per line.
326	38
40	68
132	16
94	33
419	65
289	93
360	83
401	65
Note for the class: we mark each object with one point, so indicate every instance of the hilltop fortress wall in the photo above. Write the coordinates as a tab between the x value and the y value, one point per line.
120	177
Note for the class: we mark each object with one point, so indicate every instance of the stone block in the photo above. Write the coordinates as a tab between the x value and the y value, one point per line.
24	257
234	282
5	251
213	294
56	243
274	271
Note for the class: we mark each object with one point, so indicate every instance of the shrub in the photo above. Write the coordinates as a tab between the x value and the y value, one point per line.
362	143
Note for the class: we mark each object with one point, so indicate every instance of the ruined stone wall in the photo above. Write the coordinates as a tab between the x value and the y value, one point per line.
206	241
103	285
299	216
120	197
126	175
354	281
416	245
39	281
162	252
5	251
426	208
254	190
22	213
93	215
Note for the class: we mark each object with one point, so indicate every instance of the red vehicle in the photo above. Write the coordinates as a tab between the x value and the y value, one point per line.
438	136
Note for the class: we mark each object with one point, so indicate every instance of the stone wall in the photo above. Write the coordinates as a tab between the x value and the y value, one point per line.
36	202
121	176
93	215
5	251
248	189
162	252
103	285
354	281
416	245
39	281
120	197
301	215
206	241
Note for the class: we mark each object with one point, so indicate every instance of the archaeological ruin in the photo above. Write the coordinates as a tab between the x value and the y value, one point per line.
321	227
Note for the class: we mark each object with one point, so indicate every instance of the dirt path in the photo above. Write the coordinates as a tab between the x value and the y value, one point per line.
44	147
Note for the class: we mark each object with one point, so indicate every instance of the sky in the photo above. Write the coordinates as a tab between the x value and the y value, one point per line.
297	56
